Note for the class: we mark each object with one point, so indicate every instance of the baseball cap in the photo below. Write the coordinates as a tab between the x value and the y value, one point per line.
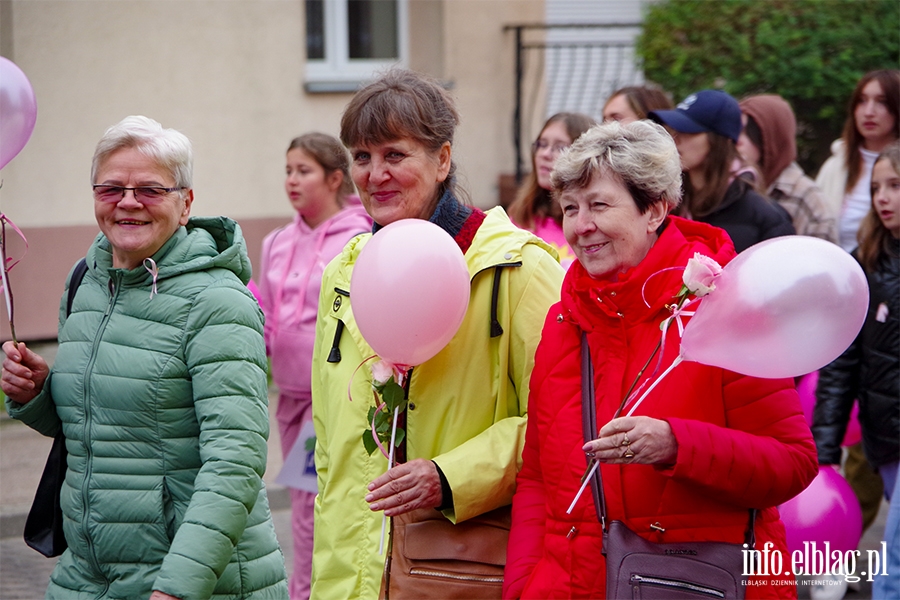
707	110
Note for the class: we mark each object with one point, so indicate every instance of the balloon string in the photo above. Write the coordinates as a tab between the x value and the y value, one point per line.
375	434
352	377
5	267
646	281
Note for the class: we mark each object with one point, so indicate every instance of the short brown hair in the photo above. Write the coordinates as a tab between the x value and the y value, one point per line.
400	104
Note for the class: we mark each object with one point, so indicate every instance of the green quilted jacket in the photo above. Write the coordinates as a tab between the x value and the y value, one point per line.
160	388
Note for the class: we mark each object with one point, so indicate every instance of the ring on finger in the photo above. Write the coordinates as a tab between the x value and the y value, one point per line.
629	454
625	441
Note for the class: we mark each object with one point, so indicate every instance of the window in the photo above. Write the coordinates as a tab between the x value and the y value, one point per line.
347	41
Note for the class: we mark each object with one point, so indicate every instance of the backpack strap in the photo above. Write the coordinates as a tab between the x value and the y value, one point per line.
74	283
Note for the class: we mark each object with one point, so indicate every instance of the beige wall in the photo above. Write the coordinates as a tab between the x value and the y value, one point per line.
228	74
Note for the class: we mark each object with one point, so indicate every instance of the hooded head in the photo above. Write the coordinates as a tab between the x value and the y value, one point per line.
778	132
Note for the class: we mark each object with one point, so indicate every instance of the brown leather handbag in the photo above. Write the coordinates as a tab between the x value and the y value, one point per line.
430	557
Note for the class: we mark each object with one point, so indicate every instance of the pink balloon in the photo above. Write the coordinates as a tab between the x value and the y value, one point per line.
410	291
782	308
806	389
826	511
854	432
18	111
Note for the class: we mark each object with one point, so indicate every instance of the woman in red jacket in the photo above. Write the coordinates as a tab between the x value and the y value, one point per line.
703	449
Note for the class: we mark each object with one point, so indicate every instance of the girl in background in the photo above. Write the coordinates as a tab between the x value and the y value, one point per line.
870	368
706	126
534	209
873	115
319	188
632	103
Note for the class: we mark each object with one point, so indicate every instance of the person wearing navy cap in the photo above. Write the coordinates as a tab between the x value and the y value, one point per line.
718	185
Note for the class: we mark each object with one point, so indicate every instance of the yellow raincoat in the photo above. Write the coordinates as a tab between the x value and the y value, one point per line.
467	405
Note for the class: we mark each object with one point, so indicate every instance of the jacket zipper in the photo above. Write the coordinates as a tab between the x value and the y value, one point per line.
455	576
88	417
674	584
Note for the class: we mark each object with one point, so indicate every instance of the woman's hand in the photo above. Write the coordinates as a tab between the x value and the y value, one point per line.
630	440
24	373
157	595
406	487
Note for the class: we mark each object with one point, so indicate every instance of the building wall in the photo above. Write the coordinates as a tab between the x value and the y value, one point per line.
228	74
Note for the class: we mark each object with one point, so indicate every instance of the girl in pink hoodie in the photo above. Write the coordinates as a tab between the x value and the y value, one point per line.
328	215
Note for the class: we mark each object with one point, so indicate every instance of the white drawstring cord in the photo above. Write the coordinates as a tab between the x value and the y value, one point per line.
154	271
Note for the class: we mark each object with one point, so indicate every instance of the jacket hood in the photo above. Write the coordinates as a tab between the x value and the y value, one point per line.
204	243
778	127
344	221
642	292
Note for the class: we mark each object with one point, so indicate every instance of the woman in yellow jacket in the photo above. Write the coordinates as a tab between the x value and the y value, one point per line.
465	420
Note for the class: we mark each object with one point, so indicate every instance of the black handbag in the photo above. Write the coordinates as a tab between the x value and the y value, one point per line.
44	524
637	568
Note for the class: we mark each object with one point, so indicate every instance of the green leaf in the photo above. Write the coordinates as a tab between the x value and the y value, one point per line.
369	442
393	395
401	435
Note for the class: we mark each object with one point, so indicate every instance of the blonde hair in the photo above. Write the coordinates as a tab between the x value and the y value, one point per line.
642	154
170	149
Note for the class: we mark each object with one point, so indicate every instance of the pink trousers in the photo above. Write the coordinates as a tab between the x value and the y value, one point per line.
291	414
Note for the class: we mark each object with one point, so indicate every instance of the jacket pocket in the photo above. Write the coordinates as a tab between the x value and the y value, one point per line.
168	511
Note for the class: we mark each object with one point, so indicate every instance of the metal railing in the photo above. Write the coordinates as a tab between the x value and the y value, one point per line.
567	67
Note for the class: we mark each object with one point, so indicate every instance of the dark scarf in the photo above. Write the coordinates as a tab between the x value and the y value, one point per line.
457	219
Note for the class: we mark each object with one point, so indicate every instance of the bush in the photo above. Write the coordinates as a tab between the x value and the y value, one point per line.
811	52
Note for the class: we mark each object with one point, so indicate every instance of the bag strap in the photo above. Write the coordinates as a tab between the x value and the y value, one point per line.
77	275
589	428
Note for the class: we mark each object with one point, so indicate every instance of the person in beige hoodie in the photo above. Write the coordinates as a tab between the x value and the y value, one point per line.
768	140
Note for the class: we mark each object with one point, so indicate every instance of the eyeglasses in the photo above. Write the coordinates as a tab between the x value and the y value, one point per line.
544	145
143	194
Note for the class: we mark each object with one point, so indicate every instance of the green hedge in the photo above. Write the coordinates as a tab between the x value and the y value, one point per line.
811	52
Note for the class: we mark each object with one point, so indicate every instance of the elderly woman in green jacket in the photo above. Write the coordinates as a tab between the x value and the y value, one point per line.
159	386
465	420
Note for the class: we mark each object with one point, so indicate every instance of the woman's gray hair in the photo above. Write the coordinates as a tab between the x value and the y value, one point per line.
170	149
642	154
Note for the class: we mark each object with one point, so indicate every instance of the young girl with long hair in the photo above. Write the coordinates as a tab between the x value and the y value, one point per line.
869	370
873	115
328	215
534	209
706	127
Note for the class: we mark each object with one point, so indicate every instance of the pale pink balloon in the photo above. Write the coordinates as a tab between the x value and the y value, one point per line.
409	291
782	308
18	111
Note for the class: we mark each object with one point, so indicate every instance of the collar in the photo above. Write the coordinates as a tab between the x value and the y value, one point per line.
457	219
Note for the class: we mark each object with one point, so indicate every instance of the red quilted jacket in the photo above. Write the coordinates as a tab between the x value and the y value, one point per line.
742	441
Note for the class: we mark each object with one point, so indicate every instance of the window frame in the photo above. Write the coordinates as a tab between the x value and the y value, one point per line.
337	72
